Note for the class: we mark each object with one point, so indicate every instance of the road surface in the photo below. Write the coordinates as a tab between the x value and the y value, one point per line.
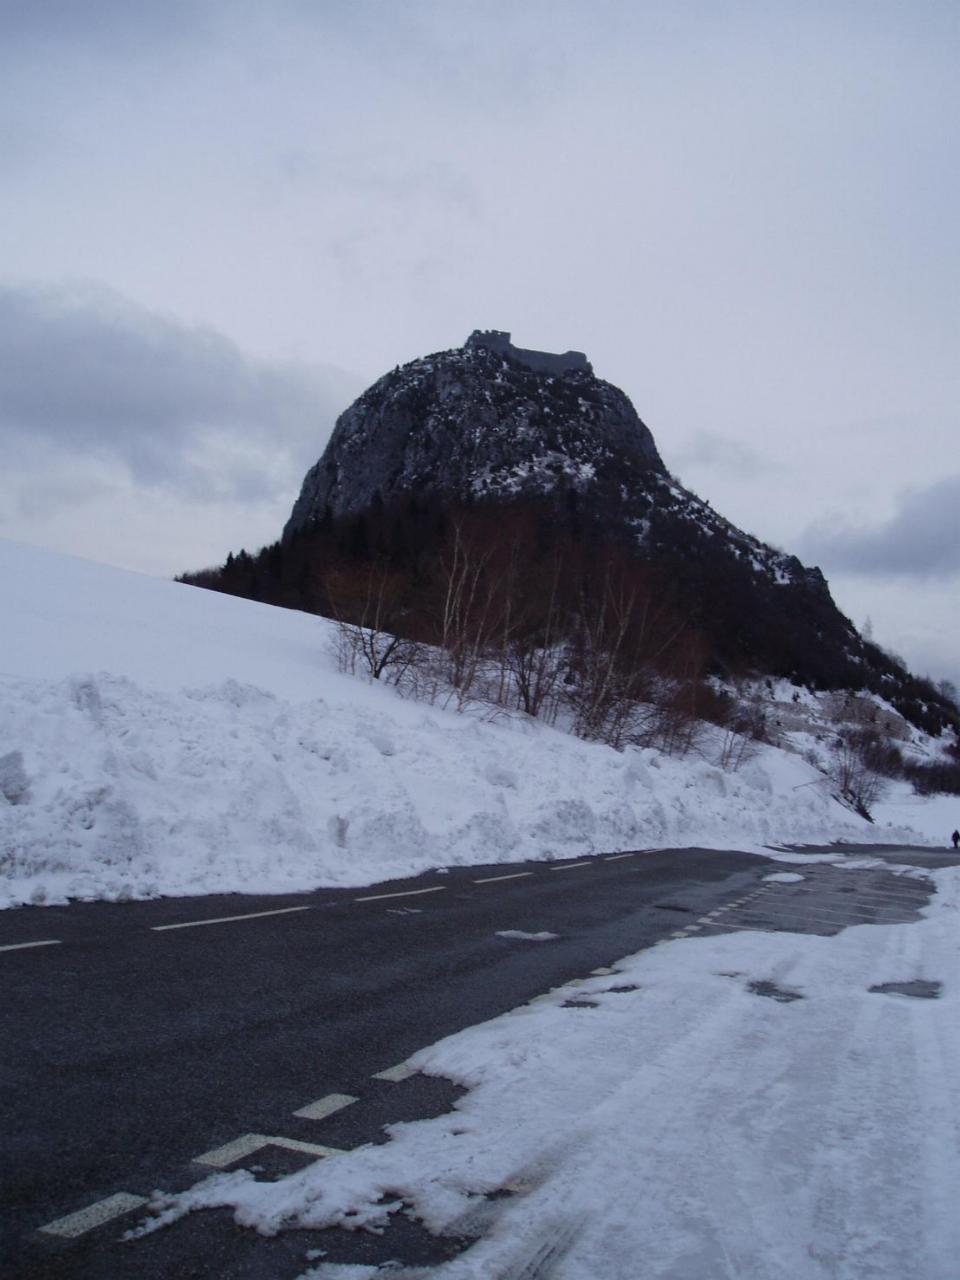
145	1045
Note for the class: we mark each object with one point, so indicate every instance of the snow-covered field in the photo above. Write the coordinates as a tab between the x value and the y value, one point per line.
159	739
670	1121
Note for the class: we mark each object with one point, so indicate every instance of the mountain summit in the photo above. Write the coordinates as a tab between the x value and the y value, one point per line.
485	421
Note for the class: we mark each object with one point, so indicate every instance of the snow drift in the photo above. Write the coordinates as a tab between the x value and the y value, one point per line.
158	739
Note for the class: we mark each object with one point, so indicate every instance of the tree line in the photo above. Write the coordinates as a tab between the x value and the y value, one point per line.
537	606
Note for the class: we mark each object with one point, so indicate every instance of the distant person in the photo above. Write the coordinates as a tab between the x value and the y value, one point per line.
956	839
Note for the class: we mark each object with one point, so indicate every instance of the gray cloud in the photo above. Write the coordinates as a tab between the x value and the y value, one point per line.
101	26
921	539
85	372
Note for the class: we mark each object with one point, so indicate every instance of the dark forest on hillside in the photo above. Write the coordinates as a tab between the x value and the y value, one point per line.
537	574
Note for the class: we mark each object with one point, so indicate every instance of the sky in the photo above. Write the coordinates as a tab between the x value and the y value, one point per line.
220	220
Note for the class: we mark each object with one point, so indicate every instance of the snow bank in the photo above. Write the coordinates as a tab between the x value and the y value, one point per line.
159	739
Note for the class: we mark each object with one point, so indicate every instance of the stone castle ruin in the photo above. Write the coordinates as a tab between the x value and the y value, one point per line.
497	341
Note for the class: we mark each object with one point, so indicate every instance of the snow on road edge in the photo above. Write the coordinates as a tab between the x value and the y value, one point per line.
682	1119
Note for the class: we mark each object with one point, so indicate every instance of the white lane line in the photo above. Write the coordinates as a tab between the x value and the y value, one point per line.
615	857
247	1143
571	866
326	1106
75	1224
604	971
402	1071
253	915
407	893
515	875
22	946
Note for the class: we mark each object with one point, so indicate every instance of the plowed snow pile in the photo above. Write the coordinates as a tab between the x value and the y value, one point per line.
159	739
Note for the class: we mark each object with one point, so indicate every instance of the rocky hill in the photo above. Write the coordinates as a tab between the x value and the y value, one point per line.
490	426
493	423
486	421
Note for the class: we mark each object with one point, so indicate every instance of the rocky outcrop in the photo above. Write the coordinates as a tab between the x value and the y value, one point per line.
491	422
484	421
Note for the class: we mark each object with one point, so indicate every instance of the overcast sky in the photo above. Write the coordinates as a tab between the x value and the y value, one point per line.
221	219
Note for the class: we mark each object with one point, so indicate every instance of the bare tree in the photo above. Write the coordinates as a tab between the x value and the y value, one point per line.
535	652
473	612
852	772
635	662
369	603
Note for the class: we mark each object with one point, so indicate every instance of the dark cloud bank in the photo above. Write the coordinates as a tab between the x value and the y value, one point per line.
85	372
922	538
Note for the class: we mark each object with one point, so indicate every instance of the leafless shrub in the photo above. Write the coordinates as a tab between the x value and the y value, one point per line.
736	749
369	606
850	769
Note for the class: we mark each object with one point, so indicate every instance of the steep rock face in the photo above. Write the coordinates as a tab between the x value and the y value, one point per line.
492	422
484	421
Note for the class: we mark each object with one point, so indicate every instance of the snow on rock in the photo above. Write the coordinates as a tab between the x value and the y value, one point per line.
160	739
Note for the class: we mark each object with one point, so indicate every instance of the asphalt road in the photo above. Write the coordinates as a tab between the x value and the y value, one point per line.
145	1036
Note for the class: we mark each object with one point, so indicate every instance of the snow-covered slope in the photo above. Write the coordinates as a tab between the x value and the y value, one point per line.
155	738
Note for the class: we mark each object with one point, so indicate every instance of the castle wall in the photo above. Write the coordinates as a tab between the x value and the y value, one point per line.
539	361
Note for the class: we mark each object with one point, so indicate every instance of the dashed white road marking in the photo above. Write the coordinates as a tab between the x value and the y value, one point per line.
615	857
253	915
326	1106
76	1224
570	866
402	1071
247	1143
514	875
603	971
22	946
406	893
